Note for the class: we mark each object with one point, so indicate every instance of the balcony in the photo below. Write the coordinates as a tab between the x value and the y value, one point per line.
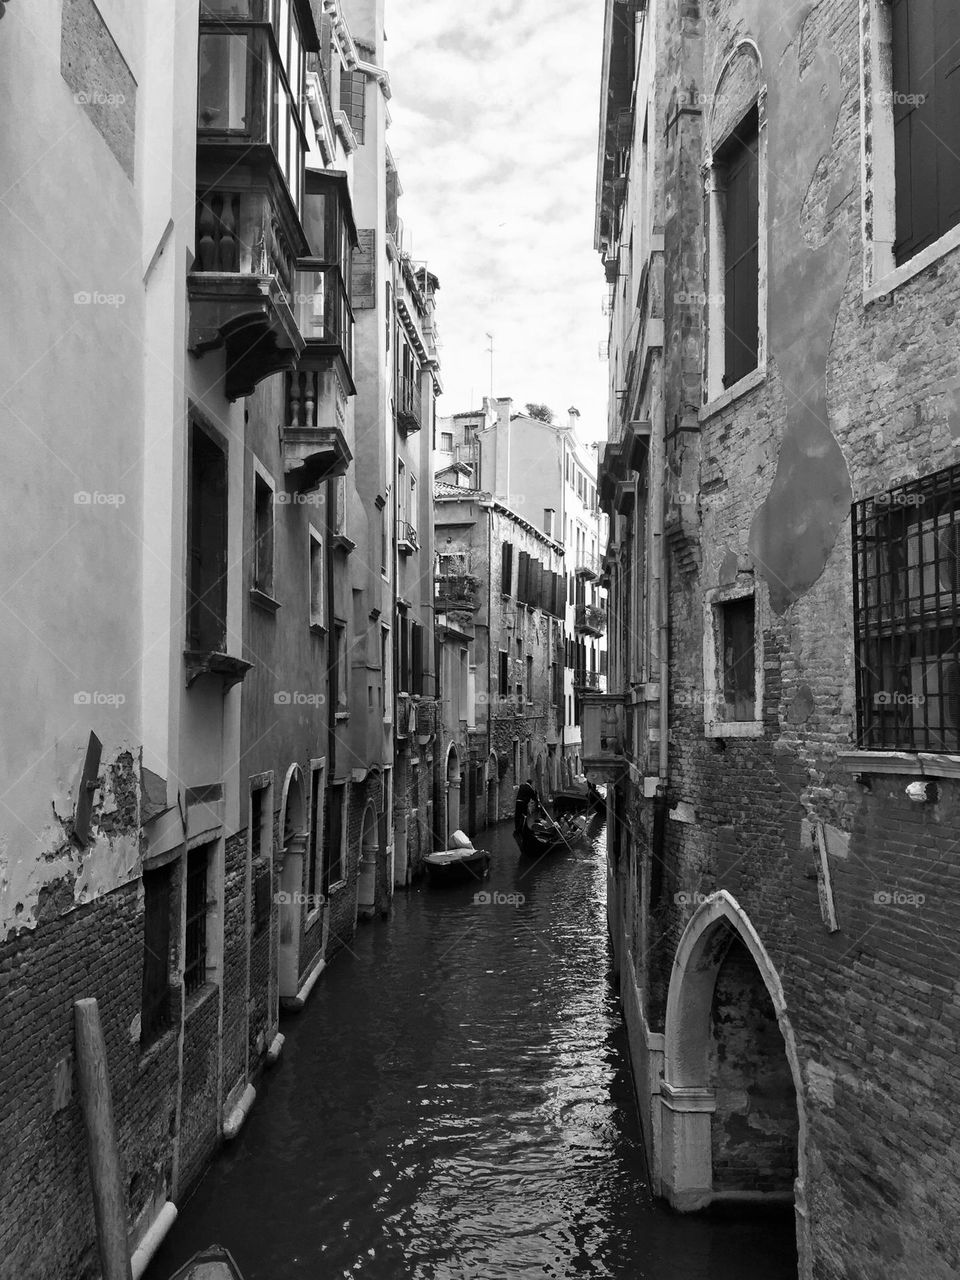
408	402
460	591
603	724
241	287
407	541
314	445
588	568
586	680
590	620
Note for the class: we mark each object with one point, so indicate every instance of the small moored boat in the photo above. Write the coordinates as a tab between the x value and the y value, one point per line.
540	838
462	862
214	1263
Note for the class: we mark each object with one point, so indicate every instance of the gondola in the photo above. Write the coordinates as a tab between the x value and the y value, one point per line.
462	862
214	1263
542	838
577	798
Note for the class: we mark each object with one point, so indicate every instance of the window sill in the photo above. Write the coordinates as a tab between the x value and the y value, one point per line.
755	378
198	998
263	601
156	1047
335	888
919	764
933	253
318	629
341	715
733	728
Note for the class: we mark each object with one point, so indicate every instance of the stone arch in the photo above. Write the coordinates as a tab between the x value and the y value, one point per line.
688	1097
292	857
737	91
453	778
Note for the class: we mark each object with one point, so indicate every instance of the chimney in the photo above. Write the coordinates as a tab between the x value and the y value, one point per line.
573	417
502	467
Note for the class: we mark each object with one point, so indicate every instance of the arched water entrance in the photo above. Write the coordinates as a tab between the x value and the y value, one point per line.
293	849
452	822
369	854
732	1122
493	787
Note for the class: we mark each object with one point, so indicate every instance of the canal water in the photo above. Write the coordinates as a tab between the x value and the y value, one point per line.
455	1103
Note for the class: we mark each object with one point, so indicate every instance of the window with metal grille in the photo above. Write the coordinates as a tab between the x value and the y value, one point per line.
195	940
739	162
155	990
926	121
907	615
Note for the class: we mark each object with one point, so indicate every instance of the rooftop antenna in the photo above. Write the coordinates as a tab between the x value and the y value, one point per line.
490	337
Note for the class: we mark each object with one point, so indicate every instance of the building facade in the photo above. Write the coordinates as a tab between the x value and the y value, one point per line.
549	474
200	808
777	216
500	602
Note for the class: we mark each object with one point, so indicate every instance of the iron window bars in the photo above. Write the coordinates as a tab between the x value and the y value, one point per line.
907	615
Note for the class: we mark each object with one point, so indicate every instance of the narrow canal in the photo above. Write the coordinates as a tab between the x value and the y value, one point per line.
455	1103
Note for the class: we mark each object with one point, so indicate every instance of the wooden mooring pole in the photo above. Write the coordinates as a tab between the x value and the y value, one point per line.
109	1202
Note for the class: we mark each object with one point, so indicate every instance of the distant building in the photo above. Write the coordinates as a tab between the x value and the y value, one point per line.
500	606
547	474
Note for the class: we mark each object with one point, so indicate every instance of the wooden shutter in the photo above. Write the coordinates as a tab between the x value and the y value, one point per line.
506	569
741	272
404	668
523	573
364	284
926	121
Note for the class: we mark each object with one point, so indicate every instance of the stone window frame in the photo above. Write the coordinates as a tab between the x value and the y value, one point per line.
713	726
316	836
260	595
881	275
716	396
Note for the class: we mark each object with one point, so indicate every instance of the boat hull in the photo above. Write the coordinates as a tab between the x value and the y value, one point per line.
444	869
532	845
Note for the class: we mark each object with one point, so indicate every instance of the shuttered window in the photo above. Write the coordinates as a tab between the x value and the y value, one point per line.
155	1001
353	100
741	271
416	658
926	121
503	673
206	545
523	565
506	569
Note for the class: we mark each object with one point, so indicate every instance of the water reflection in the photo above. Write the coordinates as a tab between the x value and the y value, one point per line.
455	1103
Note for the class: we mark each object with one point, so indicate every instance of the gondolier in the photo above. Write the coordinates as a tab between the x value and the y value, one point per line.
525	793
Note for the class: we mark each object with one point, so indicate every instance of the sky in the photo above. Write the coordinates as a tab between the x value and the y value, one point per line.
495	114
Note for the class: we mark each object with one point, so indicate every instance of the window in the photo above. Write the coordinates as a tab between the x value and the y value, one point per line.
340	672
260	857
383	536
334	829
503	673
263	534
315	842
738	163
926	122
416	658
529	677
907	615
195	941
155	989
318	612
222	82
732	667
386	674
206	544
446	441
403	661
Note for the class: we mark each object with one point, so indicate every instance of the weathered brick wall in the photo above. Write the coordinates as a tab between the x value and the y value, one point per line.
235	950
46	1212
199	1119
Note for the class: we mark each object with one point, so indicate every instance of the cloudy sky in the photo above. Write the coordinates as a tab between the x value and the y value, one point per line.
495	118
